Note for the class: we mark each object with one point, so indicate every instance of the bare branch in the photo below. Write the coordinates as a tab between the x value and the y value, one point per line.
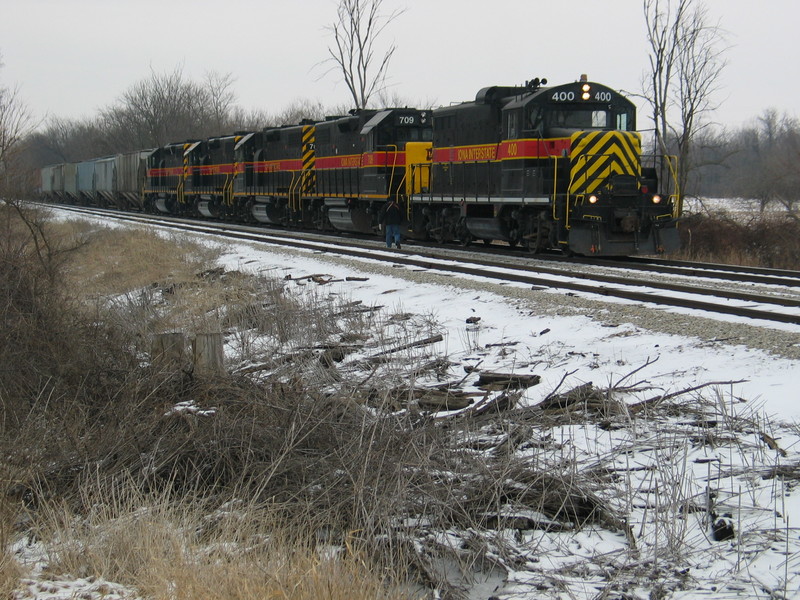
16	122
685	66
354	51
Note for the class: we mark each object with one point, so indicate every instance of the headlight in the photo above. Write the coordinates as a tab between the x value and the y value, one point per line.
656	199
593	199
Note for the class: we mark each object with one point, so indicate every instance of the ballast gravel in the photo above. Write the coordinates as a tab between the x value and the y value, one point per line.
734	331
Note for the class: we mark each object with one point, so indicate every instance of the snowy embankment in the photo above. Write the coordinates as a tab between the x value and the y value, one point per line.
689	431
727	450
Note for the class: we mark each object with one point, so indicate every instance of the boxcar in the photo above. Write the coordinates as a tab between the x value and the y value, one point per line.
71	182
53	182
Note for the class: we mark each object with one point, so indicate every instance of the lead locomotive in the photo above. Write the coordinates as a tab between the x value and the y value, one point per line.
558	167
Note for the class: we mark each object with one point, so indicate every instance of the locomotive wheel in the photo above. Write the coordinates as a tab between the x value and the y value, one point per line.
462	234
538	240
487	242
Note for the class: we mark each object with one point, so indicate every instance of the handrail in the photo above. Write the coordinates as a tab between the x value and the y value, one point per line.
394	165
293	184
678	199
227	190
399	186
555	187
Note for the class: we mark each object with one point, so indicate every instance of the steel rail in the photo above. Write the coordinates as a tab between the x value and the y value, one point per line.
500	271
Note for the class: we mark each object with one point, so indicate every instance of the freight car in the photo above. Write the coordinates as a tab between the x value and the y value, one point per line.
532	166
114	181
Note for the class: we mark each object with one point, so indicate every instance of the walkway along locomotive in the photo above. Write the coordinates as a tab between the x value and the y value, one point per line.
534	166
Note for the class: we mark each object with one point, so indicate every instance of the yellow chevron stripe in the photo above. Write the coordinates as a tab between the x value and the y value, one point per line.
596	155
309	183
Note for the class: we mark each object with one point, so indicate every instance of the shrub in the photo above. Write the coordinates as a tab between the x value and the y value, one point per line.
771	241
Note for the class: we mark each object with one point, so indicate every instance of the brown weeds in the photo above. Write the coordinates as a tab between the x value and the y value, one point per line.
339	451
170	548
10	570
771	241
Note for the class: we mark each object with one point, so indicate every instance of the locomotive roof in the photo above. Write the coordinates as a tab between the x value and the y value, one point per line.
544	94
516	96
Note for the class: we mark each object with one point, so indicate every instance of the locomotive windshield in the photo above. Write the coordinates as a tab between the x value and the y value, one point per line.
395	128
574	107
582	118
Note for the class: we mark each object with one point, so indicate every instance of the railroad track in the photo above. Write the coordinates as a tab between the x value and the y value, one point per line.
735	273
779	300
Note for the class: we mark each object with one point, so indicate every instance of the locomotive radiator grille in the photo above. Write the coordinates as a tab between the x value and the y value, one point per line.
596	155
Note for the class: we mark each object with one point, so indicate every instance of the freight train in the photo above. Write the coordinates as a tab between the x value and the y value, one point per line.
532	166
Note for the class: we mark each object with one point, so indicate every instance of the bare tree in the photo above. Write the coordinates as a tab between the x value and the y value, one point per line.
220	98
301	109
766	166
661	35
248	119
355	53
162	108
68	140
388	97
157	110
16	122
685	65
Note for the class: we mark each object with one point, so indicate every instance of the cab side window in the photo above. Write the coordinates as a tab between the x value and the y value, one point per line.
534	121
511	126
624	121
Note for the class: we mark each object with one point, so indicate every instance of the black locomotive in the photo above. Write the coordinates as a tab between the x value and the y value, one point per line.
532	166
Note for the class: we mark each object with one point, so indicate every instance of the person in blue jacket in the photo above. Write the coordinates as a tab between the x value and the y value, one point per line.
392	217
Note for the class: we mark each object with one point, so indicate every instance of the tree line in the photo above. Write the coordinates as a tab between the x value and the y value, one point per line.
685	59
758	161
160	109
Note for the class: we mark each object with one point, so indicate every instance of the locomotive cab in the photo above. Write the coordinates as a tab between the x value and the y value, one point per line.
363	160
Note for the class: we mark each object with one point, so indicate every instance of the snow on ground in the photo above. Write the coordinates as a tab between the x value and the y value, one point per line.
521	330
600	350
536	331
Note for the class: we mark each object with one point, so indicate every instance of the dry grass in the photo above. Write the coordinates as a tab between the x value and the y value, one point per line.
771	241
313	442
10	570
108	262
178	549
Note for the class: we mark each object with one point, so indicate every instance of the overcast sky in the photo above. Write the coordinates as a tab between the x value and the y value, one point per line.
74	57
